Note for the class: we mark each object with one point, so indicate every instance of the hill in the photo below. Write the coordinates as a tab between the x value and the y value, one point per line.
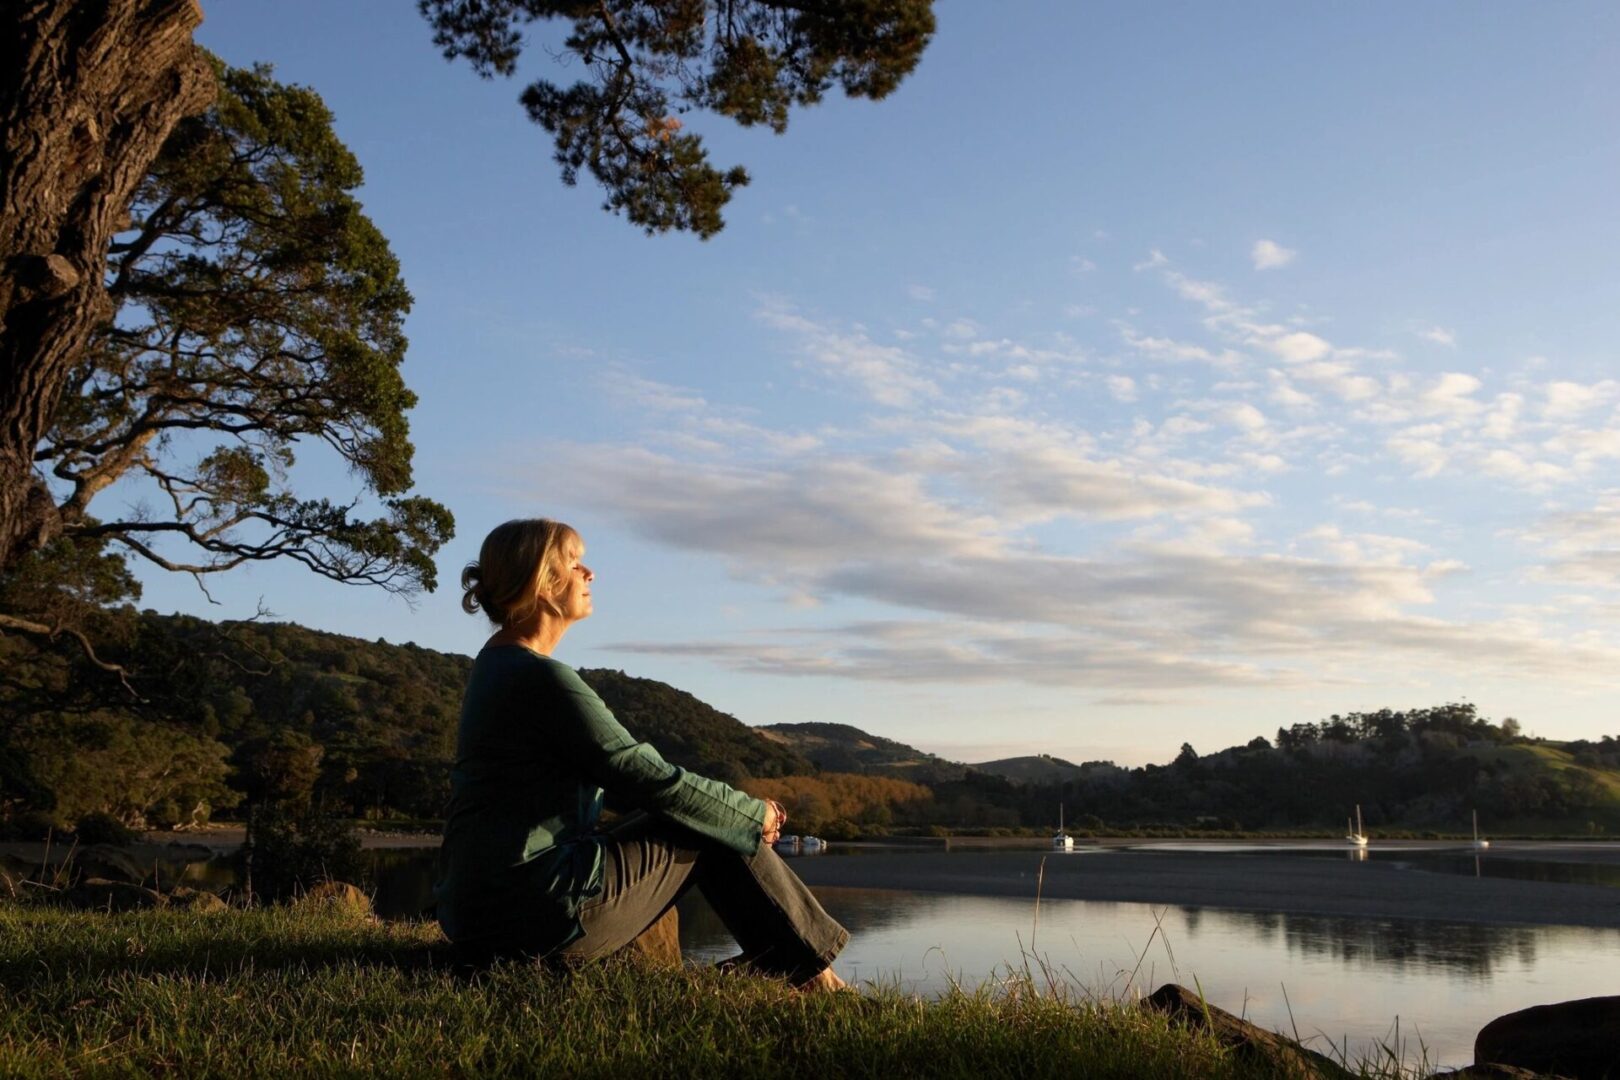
369	726
1036	769
842	748
692	733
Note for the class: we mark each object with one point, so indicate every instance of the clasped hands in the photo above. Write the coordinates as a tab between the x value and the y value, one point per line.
775	818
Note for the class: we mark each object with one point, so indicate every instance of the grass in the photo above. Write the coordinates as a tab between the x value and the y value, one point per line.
277	991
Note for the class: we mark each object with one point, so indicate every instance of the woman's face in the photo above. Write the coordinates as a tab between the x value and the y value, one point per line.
573	597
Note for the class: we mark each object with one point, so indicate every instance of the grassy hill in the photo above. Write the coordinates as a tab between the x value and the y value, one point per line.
1035	769
842	748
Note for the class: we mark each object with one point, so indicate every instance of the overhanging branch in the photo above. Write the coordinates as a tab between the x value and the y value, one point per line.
51	633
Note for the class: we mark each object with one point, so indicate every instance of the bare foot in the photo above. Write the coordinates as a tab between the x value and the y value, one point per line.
826	982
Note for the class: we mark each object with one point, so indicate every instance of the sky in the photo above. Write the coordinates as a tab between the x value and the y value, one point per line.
1134	375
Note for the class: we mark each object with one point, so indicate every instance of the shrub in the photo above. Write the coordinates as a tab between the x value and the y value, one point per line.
289	849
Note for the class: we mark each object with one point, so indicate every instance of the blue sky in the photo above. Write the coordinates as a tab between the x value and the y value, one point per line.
1134	375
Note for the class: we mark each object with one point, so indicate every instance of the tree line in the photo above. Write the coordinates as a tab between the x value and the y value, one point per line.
231	715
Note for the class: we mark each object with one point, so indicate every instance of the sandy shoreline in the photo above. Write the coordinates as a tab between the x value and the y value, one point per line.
1247	881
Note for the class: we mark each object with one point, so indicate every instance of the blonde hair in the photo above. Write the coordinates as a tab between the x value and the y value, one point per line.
521	566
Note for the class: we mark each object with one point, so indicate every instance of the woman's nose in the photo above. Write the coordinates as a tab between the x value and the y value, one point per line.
590	575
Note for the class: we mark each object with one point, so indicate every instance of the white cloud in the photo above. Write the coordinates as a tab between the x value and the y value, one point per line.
1298	346
1155	258
921	293
1439	335
1452	393
1285	394
1269	255
1567	400
1503	418
890	375
1123	387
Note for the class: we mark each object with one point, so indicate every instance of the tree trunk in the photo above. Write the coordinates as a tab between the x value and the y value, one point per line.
89	91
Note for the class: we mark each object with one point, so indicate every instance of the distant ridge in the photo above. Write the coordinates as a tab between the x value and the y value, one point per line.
843	748
1032	769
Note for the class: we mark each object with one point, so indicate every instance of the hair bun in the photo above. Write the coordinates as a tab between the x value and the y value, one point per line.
471	580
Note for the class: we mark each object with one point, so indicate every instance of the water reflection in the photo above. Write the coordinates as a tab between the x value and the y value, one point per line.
1395	944
1335	978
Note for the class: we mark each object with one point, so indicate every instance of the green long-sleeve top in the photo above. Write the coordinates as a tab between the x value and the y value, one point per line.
535	749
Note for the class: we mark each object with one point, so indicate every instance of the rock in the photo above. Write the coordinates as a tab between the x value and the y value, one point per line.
107	862
660	943
99	894
335	895
1577	1039
1251	1044
198	900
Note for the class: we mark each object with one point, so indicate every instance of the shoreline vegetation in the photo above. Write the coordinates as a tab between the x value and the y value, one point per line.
269	992
249	713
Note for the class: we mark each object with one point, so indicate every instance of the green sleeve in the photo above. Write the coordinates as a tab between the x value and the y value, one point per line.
634	772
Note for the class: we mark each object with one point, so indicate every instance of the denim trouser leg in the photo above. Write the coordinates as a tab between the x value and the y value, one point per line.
649	864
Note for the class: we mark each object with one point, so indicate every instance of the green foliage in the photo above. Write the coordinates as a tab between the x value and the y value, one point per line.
254	309
651	61
111	763
292	847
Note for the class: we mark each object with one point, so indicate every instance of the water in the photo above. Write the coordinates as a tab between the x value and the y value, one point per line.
1415	986
1338	982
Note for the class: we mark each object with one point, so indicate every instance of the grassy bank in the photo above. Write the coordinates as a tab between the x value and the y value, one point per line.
271	992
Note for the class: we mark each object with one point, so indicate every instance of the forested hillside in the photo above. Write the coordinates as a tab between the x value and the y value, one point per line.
368	730
369	727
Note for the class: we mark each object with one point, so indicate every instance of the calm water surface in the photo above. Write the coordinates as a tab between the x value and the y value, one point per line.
1416	986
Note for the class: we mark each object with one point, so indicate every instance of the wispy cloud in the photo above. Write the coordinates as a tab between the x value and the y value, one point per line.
1269	255
887	373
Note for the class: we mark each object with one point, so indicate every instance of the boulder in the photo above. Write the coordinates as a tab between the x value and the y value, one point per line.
1577	1039
335	895
660	943
99	894
198	900
1265	1050
108	863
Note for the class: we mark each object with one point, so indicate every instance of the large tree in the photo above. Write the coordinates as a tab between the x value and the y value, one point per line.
90	91
253	307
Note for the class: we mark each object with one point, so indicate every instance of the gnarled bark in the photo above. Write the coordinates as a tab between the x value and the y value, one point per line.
89	91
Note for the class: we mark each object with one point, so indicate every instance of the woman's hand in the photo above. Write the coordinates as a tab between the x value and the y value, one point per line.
775	818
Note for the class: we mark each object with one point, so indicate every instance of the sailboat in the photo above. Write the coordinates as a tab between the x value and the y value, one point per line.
1356	837
1480	844
1062	841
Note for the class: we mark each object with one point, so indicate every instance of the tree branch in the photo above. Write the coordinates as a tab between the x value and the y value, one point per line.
51	633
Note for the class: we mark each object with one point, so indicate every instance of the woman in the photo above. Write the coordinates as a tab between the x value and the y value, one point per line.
524	869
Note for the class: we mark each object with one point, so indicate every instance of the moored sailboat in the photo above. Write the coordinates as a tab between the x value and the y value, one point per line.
1480	843
1356	836
1061	841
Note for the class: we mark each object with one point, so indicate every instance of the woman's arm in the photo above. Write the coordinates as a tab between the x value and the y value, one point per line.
634	772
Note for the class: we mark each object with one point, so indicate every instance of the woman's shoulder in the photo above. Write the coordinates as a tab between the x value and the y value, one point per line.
518	661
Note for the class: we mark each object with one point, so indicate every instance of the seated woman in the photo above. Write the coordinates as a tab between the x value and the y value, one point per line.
525	870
